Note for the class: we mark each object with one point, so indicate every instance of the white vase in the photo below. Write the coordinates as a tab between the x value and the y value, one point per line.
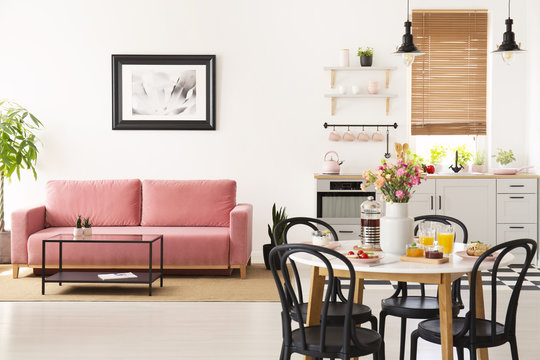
87	231
77	232
396	229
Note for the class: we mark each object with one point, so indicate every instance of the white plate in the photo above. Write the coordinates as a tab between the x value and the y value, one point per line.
464	255
356	259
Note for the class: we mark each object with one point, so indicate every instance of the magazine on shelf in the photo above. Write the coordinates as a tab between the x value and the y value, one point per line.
117	276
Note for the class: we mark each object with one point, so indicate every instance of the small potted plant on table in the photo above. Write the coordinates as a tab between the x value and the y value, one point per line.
478	162
78	230
366	56
87	227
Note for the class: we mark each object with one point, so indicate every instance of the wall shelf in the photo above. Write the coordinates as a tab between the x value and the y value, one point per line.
333	98
333	70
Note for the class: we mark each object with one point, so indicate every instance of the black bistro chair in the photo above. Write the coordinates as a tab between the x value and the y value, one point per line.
328	339
422	306
360	313
472	333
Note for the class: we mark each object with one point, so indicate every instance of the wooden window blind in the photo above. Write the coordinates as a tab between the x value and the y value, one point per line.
449	81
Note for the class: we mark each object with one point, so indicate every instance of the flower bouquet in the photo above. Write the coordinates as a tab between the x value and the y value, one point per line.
395	181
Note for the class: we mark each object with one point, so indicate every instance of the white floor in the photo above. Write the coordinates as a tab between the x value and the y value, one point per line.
179	330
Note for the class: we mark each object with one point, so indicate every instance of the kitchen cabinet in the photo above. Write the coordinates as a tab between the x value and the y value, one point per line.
472	201
517	210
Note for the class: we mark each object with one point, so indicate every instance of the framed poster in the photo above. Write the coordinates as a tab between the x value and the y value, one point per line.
164	92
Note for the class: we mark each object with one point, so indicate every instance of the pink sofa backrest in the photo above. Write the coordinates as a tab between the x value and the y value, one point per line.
188	202
105	202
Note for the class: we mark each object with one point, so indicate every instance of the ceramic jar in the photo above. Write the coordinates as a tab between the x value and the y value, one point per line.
373	87
77	232
396	229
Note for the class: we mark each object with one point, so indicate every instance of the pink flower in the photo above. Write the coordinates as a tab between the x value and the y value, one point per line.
401	172
380	168
400	194
416	180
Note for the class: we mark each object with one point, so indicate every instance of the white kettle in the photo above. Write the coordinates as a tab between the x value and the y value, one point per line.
331	166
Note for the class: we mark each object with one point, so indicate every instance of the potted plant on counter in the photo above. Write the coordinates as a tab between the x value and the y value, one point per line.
437	154
277	217
18	151
366	56
504	157
478	162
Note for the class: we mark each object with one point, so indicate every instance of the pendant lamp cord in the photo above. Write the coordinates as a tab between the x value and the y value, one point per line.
509	9
408	9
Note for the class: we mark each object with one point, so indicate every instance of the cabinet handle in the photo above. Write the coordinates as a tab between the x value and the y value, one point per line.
431	202
517	197
517	227
517	185
440	201
345	231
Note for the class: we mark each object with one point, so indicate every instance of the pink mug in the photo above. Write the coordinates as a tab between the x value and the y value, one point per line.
377	136
334	136
348	136
373	87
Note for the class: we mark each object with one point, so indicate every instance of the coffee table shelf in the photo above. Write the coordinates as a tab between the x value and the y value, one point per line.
74	276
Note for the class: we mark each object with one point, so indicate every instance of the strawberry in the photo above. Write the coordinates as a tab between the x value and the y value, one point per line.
364	256
360	252
350	253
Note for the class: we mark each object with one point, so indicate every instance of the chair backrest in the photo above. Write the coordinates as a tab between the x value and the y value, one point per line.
290	300
529	246
447	220
287	224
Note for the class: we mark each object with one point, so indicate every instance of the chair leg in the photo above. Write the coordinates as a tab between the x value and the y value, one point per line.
382	321
414	344
402	338
282	354
373	321
460	354
472	352
514	348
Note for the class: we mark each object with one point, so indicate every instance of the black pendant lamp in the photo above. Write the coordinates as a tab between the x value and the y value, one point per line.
407	49
509	47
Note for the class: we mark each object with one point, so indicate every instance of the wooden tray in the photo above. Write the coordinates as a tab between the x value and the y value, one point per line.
424	260
356	247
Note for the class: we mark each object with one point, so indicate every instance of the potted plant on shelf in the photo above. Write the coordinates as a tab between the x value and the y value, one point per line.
437	154
395	182
366	56
277	217
18	151
478	162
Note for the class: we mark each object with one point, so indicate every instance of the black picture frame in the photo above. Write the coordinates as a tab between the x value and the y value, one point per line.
129	90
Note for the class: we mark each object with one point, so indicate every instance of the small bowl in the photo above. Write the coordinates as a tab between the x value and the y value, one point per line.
434	252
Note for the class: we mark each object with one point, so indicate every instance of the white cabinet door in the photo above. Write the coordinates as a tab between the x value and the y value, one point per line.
507	232
516	208
473	201
422	202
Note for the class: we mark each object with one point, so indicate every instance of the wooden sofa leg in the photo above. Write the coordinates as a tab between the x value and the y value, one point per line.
15	271
243	272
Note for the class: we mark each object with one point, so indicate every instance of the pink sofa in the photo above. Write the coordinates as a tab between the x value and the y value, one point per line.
202	225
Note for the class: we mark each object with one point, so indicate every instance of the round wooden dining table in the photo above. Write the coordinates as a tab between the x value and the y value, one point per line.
390	267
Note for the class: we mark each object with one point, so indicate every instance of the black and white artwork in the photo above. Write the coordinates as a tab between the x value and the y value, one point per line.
163	92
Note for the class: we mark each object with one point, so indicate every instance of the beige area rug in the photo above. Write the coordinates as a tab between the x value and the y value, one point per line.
259	286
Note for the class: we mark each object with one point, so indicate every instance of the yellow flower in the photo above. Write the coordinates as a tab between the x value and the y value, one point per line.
380	182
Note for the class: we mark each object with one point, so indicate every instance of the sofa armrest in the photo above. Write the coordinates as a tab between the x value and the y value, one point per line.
241	234
24	222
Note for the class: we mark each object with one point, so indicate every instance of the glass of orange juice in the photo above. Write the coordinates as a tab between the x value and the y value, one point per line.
445	237
426	233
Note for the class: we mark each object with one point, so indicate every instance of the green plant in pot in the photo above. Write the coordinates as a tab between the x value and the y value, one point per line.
277	217
504	157
18	151
366	55
478	162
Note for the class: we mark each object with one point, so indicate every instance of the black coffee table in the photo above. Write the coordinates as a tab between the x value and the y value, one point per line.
72	276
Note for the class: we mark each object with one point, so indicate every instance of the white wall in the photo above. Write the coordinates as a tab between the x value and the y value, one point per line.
56	61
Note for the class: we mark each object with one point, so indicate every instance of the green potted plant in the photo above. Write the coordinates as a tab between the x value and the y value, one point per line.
464	156
436	155
366	56
504	157
277	217
18	151
78	230
478	162
87	227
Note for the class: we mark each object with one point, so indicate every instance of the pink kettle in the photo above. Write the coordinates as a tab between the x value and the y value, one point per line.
331	166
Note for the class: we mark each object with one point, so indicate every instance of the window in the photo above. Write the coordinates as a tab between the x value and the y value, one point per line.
448	91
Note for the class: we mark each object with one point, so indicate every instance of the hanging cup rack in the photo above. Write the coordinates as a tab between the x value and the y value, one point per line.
387	126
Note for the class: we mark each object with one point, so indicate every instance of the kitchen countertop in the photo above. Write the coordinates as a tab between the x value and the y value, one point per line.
438	176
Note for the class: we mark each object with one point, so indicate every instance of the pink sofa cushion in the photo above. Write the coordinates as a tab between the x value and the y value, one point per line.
182	246
105	202
188	202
